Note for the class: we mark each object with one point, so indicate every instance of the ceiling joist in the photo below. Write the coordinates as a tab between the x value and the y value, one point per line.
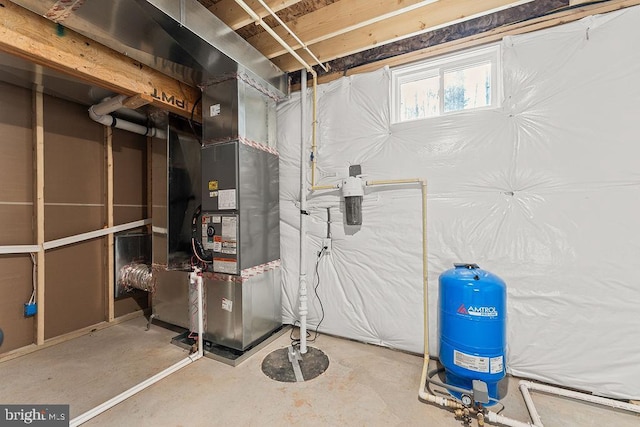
496	34
332	20
231	14
413	22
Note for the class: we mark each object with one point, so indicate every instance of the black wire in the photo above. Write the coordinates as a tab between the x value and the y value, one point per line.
193	110
296	341
315	290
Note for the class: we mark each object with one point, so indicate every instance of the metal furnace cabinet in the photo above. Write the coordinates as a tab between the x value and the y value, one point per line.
240	226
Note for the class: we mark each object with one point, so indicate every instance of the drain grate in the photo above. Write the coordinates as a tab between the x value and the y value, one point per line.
289	367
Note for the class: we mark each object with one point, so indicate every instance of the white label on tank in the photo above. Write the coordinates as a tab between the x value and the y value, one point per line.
471	362
497	365
217	246
214	110
227	305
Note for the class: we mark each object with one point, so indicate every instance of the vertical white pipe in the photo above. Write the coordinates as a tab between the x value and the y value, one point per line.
200	314
303	309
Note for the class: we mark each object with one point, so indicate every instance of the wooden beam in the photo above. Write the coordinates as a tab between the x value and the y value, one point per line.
332	20
110	279
36	39
137	101
38	150
417	21
491	36
231	14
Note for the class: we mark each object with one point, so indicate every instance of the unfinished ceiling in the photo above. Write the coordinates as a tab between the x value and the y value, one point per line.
347	33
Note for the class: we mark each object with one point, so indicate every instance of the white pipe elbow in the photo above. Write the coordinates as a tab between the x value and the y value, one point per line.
103	119
110	105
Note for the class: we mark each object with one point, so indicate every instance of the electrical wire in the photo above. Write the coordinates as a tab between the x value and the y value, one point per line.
33	279
295	342
315	290
193	110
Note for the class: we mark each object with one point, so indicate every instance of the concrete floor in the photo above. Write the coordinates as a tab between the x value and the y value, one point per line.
365	385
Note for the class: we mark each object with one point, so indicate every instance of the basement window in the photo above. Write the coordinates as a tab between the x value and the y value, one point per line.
446	85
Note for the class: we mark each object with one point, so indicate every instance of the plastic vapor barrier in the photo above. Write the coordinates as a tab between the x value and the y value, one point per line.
544	191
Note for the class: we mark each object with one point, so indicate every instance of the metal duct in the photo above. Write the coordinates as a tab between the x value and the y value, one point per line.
181	39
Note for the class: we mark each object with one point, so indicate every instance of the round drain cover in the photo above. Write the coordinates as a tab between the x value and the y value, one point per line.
286	366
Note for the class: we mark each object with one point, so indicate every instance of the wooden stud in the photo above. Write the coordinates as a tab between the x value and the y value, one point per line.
110	291
491	36
330	21
235	17
417	21
149	200
38	142
36	39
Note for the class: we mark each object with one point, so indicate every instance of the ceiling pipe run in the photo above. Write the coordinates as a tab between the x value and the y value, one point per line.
101	113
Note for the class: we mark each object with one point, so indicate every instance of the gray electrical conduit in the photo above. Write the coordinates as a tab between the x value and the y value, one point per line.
101	113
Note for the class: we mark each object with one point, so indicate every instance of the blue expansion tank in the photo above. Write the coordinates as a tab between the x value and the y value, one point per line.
472	318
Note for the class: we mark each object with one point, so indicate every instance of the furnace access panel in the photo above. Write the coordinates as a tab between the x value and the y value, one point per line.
220	235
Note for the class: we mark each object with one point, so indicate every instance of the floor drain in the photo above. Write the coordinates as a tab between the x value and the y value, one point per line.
287	366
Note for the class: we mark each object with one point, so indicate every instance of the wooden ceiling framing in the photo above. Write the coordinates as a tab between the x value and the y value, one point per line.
351	36
334	29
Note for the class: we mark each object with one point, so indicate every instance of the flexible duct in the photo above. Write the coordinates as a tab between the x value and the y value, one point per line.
137	276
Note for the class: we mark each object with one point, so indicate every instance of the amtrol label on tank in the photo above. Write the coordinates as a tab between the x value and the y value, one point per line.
497	365
471	362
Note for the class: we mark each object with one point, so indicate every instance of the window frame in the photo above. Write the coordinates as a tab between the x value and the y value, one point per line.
440	66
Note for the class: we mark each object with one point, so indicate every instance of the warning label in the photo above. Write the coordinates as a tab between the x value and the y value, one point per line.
497	365
227	305
222	265
471	362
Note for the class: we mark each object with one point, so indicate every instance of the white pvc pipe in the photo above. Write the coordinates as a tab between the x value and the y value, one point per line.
100	113
525	386
273	34
109	105
194	277
500	419
295	37
531	407
303	309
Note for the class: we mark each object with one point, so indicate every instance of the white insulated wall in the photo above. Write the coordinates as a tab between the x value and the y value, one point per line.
544	192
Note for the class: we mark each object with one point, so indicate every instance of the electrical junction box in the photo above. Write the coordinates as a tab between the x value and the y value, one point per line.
480	391
30	309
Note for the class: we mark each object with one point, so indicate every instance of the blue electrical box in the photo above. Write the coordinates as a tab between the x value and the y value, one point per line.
30	309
